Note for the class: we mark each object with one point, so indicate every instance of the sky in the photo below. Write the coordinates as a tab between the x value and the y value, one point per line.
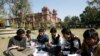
63	7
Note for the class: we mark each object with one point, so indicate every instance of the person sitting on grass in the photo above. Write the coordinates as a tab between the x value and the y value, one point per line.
17	45
55	44
90	42
29	38
42	39
55	37
70	43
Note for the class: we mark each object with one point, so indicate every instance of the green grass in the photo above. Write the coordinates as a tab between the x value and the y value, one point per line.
78	32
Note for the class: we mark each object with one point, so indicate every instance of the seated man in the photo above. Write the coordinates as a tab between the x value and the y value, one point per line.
55	37
42	39
90	45
55	44
17	45
71	44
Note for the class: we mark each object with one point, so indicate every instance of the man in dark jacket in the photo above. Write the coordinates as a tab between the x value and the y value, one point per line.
71	44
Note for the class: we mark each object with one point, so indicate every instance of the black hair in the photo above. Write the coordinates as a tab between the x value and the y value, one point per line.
66	31
41	30
20	31
90	33
28	31
53	30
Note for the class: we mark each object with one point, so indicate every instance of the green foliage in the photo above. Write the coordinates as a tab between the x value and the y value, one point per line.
13	25
74	20
43	24
94	3
67	19
2	22
18	9
28	26
1	7
90	14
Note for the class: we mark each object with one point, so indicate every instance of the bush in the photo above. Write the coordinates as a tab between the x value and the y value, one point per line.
2	22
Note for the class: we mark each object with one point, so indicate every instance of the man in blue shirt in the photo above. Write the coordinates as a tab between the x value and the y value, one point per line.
43	40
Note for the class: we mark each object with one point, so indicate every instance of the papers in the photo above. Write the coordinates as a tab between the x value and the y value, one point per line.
30	46
40	53
74	55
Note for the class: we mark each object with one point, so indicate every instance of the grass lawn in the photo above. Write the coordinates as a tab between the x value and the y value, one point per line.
4	40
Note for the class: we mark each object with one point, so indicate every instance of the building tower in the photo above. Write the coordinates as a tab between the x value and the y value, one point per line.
45	13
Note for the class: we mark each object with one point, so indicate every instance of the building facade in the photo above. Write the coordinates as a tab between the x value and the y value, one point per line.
44	18
47	16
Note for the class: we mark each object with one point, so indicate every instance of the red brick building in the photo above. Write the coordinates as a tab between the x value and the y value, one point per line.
44	16
47	15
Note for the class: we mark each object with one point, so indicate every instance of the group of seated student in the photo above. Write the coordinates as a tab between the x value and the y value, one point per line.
59	46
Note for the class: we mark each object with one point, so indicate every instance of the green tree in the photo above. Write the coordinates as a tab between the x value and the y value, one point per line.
67	19
74	21
20	8
94	3
66	22
89	15
1	7
2	22
17	8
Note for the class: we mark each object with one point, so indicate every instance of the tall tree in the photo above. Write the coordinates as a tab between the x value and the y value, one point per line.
75	19
1	7
94	3
67	19
89	15
17	8
66	22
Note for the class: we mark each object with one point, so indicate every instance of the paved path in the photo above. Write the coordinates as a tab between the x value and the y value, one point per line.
7	32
